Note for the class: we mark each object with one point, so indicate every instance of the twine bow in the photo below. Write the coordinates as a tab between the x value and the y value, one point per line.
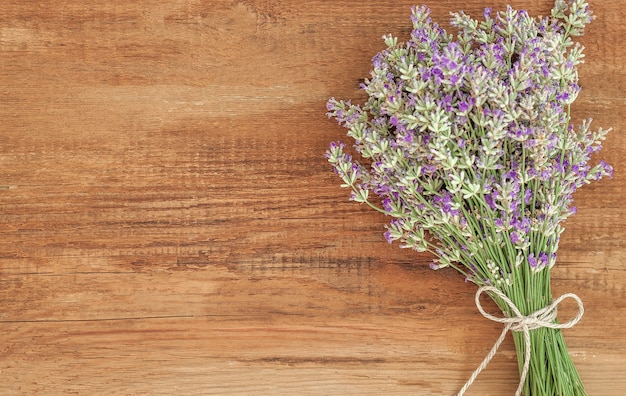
542	318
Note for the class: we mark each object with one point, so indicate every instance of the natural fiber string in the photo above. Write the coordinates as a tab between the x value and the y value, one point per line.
542	318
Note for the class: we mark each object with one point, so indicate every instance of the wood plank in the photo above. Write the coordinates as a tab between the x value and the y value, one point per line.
170	225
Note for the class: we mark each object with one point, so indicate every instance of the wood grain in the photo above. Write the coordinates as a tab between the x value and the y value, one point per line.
170	226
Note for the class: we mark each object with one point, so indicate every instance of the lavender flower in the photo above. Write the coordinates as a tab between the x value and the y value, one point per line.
473	128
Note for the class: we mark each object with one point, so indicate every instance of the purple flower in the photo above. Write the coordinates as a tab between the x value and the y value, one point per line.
532	261
563	96
523	225
494	197
429	169
445	203
511	175
580	170
515	133
446	102
337	146
443	61
530	143
528	196
608	169
489	201
388	237
438	73
594	149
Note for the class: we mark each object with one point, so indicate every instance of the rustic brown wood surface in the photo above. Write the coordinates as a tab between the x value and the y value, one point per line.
169	224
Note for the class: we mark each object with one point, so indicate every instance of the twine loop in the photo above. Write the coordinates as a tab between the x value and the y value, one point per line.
544	317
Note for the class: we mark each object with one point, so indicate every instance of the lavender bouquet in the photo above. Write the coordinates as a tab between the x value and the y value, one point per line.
468	144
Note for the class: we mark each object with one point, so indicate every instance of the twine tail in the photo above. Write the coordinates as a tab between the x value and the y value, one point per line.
485	361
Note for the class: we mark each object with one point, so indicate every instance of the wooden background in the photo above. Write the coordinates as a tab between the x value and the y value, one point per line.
169	224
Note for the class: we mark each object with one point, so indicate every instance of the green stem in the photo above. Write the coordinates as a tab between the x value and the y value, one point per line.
552	371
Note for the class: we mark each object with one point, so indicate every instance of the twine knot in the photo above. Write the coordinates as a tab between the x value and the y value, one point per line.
544	317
